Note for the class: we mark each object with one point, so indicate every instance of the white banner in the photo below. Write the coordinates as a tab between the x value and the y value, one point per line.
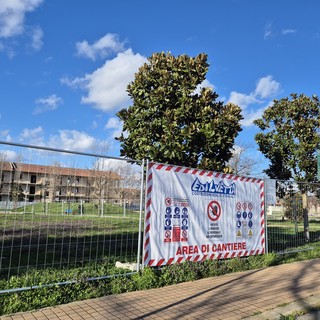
194	215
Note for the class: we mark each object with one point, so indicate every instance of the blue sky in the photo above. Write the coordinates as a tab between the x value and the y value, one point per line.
65	65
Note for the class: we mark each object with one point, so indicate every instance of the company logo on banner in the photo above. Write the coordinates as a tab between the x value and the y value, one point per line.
195	215
206	188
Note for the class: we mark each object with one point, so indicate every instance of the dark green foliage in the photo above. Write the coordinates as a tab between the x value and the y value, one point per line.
169	122
293	207
146	279
122	284
290	136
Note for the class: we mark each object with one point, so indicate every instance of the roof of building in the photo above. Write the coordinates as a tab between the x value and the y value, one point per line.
57	170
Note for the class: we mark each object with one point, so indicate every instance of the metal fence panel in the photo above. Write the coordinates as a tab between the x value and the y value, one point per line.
62	210
293	222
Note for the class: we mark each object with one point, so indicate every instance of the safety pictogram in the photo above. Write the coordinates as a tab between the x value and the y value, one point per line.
214	210
168	201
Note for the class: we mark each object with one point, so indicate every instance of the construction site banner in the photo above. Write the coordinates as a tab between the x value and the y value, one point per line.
195	215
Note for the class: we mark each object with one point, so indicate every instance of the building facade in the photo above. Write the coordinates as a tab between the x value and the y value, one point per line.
35	183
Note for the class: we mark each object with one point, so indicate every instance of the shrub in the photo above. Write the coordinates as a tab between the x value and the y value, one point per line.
146	279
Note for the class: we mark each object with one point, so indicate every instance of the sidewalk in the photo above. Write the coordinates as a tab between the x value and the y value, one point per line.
257	294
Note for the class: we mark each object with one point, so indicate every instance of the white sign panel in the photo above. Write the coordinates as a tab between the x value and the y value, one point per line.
270	187
194	215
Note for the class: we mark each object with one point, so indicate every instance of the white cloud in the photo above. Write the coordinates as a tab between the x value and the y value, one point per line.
37	35
113	123
10	155
288	31
32	136
266	89
268	30
106	86
102	48
204	84
250	115
242	100
132	172
47	104
116	125
12	14
5	134
94	124
73	140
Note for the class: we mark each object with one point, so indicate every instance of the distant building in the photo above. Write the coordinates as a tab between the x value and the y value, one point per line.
34	183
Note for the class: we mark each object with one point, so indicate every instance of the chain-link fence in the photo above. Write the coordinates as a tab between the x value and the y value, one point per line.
67	211
293	220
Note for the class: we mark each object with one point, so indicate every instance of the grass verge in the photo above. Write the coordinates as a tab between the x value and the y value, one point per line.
81	289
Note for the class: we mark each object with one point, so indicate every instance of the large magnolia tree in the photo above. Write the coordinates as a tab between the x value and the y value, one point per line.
290	136
172	120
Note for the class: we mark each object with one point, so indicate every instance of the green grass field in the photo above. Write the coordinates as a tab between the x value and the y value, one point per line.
288	235
50	239
59	240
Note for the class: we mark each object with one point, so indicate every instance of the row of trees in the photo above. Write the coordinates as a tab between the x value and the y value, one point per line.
174	121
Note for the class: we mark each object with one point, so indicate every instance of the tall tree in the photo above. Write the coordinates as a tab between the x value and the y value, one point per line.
170	121
290	136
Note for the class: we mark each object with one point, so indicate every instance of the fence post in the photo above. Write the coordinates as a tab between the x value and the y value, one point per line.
305	217
140	216
265	217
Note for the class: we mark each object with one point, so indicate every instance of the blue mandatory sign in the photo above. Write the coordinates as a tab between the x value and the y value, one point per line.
176	210
168	210
184	222
238	224
238	215
244	215
250	215
250	224
167	224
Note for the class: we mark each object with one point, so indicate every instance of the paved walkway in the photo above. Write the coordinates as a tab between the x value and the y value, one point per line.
257	294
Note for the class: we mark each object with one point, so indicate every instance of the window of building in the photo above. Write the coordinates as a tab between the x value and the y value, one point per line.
33	178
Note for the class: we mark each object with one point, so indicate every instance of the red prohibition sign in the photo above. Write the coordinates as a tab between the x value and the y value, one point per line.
168	201
214	210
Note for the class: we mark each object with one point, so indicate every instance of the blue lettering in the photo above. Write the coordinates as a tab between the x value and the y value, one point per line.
212	188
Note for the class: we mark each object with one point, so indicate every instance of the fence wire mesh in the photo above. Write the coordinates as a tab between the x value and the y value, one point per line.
82	214
293	221
67	211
